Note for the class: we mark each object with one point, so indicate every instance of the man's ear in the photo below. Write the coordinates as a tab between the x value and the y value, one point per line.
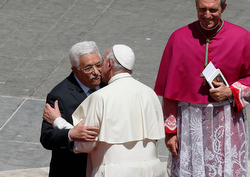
110	64
224	8
74	70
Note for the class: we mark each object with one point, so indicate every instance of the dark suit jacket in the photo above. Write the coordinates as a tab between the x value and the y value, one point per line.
63	161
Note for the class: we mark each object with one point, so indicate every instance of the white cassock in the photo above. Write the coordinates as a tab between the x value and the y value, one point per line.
130	118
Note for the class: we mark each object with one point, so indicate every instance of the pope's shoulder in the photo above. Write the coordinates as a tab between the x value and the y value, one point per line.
118	87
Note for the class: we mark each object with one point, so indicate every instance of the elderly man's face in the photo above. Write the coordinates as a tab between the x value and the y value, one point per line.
209	12
93	78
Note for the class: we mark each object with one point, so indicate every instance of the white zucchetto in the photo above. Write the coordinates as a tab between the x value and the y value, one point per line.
124	55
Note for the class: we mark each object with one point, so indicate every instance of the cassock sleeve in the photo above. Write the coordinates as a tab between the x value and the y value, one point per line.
241	95
79	147
86	109
78	115
170	113
84	146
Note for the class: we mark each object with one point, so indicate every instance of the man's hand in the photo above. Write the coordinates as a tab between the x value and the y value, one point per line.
171	142
83	133
50	114
221	92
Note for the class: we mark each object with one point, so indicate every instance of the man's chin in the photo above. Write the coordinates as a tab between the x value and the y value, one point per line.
96	81
208	25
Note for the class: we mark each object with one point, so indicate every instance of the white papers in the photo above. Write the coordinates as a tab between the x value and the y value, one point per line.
212	74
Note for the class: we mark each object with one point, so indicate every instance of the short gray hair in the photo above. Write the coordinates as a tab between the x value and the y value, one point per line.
80	49
222	2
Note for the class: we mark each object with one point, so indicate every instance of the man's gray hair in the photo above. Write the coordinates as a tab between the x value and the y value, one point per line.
110	56
80	49
222	2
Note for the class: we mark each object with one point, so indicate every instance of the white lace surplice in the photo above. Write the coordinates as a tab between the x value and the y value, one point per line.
220	151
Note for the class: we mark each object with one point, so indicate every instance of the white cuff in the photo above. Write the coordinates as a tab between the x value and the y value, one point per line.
61	123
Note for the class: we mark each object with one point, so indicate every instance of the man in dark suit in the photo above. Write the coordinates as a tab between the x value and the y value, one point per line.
86	67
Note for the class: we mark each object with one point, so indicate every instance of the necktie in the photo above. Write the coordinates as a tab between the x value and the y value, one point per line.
91	90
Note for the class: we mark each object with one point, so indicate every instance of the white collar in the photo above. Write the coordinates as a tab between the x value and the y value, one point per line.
119	76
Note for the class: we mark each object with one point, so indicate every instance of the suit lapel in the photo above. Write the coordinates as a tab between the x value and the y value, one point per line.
76	90
79	96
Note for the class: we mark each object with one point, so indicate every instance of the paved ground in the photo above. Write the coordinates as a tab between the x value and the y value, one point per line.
35	38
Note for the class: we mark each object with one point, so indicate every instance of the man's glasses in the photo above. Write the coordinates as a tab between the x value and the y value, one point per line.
90	68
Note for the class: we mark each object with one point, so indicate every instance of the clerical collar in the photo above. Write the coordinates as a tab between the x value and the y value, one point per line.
209	29
209	32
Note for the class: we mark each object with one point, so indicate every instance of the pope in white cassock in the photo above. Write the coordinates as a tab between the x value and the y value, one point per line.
130	119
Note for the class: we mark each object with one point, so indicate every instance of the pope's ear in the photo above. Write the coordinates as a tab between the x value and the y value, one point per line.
110	63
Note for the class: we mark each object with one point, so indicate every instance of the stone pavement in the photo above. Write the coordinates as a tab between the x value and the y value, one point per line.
35	38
